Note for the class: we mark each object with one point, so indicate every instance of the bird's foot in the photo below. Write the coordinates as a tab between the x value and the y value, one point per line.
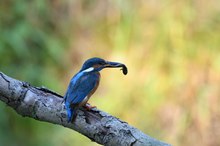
88	107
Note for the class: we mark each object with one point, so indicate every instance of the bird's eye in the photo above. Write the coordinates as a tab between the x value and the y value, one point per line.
102	63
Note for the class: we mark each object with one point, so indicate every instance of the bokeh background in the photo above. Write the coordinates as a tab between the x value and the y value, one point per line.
171	48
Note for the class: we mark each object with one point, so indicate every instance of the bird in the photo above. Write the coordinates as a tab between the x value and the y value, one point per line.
84	83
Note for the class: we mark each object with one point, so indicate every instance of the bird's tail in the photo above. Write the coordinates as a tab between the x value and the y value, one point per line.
71	112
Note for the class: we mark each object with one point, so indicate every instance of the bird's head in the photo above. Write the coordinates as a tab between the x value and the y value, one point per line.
97	64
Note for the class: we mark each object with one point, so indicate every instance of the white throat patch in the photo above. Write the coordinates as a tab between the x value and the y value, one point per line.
89	69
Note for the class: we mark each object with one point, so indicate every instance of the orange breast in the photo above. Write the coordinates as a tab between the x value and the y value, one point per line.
91	93
96	86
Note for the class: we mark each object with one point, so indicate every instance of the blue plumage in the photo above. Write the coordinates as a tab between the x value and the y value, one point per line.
80	86
84	84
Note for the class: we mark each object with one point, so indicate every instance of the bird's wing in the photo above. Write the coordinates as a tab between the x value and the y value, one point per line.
80	87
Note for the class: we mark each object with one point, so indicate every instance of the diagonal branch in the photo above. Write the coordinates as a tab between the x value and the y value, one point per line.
45	105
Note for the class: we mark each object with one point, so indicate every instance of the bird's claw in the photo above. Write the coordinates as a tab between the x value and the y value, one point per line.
88	107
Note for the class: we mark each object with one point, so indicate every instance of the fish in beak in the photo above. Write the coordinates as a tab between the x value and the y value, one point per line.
116	65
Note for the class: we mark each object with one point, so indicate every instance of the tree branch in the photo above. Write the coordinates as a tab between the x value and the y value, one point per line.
45	105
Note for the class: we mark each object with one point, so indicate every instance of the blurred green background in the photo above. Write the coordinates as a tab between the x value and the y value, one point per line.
171	48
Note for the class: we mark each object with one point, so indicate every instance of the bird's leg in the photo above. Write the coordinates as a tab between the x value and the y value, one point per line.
88	107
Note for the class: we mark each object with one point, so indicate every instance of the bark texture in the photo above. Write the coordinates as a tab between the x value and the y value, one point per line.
45	105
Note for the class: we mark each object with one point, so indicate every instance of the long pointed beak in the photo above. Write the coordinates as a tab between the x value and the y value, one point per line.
116	65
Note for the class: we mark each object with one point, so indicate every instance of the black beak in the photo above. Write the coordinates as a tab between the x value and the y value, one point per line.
116	65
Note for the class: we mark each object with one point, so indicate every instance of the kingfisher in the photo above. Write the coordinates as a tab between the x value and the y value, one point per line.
84	83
